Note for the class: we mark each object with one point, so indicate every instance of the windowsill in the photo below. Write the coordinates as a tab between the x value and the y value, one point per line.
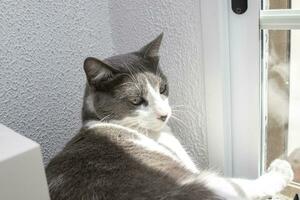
291	190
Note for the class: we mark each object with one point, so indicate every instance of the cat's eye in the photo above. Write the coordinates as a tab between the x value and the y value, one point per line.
137	101
163	88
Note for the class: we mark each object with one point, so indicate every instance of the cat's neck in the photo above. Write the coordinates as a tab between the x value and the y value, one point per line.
153	134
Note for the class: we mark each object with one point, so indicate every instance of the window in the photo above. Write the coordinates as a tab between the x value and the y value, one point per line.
252	65
281	68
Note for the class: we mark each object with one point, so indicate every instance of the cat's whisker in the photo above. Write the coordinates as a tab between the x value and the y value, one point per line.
179	120
129	123
132	76
132	124
173	110
126	83
184	112
186	109
105	117
134	81
174	106
141	68
178	125
183	106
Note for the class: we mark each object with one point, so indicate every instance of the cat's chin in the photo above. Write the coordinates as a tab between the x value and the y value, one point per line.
143	126
157	128
154	128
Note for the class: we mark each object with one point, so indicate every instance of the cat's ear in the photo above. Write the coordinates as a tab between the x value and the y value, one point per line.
97	71
151	49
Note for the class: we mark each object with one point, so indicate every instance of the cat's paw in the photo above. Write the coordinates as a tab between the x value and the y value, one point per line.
278	176
282	168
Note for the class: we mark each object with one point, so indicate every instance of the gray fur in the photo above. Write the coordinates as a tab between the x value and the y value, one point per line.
99	164
104	163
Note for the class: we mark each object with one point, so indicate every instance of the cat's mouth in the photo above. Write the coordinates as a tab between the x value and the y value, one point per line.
157	125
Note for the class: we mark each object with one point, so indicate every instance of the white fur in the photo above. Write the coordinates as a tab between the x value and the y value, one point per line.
275	180
159	105
137	138
166	138
151	145
97	124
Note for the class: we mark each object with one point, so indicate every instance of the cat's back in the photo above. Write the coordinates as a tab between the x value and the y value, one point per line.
110	162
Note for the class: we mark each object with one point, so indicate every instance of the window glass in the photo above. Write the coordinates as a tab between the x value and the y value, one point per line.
281	91
282	69
277	4
281	4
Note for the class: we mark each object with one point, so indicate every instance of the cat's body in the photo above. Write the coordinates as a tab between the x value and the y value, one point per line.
111	162
125	151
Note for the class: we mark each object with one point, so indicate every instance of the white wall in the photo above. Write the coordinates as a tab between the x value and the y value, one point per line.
42	48
44	45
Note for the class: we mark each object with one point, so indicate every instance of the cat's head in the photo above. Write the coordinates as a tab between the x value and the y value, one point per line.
128	89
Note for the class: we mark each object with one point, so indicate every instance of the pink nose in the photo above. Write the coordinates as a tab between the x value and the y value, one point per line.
163	117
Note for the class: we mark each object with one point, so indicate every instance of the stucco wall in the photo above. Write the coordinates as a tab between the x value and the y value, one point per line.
42	48
44	44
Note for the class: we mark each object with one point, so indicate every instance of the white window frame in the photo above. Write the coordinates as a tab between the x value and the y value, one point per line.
284	19
214	15
234	86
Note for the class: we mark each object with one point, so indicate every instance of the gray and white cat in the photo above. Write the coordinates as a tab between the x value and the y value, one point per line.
126	151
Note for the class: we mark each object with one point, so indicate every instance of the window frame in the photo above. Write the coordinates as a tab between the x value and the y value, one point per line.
216	60
234	139
280	19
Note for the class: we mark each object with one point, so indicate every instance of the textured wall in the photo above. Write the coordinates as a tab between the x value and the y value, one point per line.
135	22
42	47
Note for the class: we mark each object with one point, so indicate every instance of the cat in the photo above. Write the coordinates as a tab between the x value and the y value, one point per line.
125	149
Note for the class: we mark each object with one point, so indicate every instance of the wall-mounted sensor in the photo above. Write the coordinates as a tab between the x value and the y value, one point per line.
239	6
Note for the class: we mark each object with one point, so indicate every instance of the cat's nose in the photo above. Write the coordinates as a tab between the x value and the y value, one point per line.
163	117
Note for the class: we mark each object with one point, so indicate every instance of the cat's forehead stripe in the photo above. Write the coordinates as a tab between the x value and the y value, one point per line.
152	88
152	80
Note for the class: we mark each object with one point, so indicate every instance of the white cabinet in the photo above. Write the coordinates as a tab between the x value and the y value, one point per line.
22	174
